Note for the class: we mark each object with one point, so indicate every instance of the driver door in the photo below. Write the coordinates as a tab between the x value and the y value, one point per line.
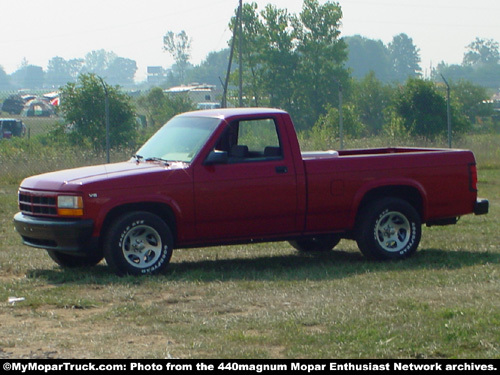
254	194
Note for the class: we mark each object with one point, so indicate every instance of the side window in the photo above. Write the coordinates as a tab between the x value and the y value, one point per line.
258	135
251	140
261	138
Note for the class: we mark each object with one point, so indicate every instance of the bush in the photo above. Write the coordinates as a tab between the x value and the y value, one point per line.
424	110
326	130
83	108
159	107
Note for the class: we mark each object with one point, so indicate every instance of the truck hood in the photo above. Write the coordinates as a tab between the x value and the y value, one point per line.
106	176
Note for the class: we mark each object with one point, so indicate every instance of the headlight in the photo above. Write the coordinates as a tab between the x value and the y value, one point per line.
69	205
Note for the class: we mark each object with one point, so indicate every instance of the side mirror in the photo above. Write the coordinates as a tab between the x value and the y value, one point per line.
216	157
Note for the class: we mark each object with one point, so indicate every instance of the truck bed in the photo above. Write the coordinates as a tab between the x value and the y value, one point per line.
307	155
336	181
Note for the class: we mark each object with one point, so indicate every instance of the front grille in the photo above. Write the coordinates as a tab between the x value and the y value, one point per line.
38	203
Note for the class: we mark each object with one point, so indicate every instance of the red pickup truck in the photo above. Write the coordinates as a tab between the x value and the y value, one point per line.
230	176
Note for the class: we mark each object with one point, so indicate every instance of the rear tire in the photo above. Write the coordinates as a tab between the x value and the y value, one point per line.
321	243
389	228
138	243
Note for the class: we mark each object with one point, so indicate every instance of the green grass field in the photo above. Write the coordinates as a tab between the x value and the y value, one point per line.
264	301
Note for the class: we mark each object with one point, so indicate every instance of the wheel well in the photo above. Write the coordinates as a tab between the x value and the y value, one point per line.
406	193
160	209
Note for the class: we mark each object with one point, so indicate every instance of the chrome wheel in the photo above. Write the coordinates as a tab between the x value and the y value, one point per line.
138	243
142	246
388	228
393	231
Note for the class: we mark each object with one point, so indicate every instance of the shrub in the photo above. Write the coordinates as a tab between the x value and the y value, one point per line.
83	107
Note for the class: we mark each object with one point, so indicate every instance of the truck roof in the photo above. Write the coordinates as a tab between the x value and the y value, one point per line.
230	112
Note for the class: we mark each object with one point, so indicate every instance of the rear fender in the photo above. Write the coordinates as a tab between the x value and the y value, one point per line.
406	189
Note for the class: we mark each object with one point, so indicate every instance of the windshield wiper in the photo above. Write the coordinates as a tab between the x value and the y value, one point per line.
158	159
138	158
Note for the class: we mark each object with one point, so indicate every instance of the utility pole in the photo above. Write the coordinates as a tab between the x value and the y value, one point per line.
341	117
448	110
106	109
231	53
240	37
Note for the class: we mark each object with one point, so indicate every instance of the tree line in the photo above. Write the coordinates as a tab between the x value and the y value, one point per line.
117	70
281	35
300	63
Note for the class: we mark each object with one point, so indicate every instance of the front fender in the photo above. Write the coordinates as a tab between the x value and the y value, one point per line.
176	212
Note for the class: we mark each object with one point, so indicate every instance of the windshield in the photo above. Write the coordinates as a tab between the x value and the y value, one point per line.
180	139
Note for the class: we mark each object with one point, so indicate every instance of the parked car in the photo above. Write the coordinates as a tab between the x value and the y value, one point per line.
10	127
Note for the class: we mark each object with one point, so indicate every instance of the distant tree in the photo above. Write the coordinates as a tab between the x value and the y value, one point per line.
452	72
179	46
325	133
322	56
82	106
292	61
4	80
98	62
60	71
57	72
368	55
482	51
481	64
371	97
423	110
405	58
28	76
211	70
159	107
277	56
121	71
115	69
471	99
254	66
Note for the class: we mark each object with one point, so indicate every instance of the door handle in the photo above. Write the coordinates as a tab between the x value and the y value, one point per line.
281	169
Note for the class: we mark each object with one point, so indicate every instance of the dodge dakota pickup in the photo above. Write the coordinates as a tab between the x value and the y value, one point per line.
228	176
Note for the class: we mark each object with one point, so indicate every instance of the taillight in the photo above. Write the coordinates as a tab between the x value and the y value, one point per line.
473	177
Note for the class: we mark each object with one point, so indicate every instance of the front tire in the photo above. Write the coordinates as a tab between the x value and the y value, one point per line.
74	261
138	243
390	228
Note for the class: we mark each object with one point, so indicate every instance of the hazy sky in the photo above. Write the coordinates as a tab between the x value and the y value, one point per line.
39	30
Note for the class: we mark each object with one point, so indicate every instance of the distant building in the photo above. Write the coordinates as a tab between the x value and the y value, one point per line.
156	75
203	95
